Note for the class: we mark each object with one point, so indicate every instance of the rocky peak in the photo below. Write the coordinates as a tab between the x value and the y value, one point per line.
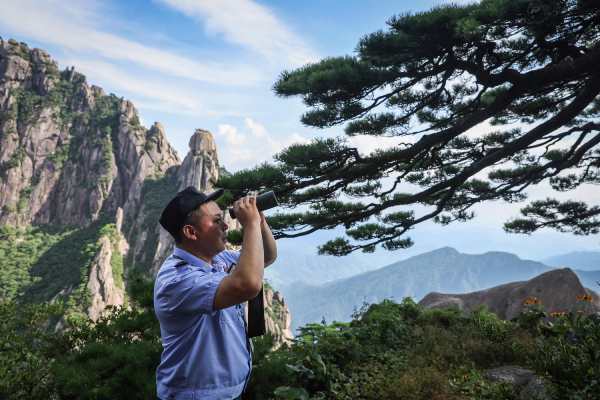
203	143
277	316
39	56
201	162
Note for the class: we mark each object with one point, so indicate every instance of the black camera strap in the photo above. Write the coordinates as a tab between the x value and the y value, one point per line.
256	325
256	315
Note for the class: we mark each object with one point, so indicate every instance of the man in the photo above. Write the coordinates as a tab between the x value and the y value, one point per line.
199	294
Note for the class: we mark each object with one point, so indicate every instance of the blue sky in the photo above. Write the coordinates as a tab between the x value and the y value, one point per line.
211	64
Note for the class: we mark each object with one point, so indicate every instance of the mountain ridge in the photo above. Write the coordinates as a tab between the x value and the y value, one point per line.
82	184
580	260
442	270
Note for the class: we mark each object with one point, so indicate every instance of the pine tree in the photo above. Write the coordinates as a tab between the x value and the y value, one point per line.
529	67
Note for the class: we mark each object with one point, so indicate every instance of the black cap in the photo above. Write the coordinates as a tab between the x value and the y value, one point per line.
180	206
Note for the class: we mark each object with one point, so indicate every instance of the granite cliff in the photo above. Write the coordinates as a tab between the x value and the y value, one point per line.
82	184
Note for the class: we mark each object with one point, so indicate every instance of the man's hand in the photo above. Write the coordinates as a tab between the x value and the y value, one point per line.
246	211
245	281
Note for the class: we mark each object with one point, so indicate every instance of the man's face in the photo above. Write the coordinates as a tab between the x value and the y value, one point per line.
212	231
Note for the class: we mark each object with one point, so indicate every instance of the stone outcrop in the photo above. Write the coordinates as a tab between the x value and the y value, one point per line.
102	283
523	380
277	317
200	164
557	290
513	375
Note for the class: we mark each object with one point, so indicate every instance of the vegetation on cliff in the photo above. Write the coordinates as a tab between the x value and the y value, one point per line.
157	191
70	154
40	263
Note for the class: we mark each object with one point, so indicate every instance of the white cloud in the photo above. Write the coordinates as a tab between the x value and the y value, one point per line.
251	25
232	136
273	147
68	24
257	129
153	94
240	153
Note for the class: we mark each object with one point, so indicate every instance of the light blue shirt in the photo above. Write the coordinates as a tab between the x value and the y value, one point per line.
206	354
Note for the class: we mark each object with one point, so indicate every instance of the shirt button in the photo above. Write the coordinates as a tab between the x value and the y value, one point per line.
171	395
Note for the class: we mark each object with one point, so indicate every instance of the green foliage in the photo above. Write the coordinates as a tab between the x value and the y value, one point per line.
432	76
106	148
135	121
114	358
564	216
235	237
60	155
52	72
532	315
27	351
390	351
39	262
112	371
16	159
571	370
121	355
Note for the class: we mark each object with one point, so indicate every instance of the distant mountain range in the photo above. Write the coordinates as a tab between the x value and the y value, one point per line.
298	266
580	260
444	270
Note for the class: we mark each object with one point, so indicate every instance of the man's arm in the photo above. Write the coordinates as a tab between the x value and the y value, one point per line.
269	246
245	281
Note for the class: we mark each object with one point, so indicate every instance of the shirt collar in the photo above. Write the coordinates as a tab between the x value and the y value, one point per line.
195	261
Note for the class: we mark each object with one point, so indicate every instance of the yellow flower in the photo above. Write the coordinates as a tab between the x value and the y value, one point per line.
553	314
465	378
538	302
590	298
579	312
561	314
534	298
581	297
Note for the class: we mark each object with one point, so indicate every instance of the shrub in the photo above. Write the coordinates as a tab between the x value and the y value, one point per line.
571	370
17	158
390	351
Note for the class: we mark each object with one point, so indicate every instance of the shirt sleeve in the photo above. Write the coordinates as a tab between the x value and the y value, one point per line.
194	293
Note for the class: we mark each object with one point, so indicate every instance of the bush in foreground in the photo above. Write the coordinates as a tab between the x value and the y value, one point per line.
390	350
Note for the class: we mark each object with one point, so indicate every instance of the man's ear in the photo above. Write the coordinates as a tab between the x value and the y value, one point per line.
190	232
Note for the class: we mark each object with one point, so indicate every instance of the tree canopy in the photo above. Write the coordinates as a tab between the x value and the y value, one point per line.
528	67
